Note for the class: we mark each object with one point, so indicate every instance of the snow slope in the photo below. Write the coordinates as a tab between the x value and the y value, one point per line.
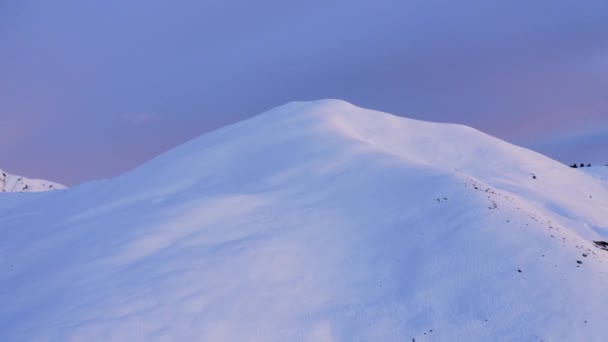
12	183
600	172
315	221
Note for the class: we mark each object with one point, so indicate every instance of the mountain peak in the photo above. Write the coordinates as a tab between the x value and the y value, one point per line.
337	128
13	183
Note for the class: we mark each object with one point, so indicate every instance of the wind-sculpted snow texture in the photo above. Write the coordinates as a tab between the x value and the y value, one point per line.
12	183
315	221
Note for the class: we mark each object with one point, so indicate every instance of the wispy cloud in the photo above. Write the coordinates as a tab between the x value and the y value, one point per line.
141	119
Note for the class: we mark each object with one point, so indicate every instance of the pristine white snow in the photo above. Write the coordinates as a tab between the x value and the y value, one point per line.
12	183
315	221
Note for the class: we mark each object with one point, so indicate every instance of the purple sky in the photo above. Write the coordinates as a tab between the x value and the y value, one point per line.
90	89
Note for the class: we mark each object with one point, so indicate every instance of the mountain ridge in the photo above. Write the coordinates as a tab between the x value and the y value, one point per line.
13	183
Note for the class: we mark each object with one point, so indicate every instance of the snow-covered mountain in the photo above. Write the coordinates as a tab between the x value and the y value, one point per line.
315	221
12	183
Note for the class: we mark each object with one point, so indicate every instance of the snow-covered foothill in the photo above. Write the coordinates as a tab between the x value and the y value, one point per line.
315	221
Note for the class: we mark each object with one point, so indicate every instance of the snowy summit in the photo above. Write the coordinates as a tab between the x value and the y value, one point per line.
12	183
315	221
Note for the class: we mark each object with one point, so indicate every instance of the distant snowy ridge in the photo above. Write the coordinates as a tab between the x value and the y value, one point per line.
315	221
600	172
12	183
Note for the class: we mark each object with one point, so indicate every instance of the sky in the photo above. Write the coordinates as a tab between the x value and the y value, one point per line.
90	89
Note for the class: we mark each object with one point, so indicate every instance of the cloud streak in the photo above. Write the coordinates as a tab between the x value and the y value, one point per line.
141	119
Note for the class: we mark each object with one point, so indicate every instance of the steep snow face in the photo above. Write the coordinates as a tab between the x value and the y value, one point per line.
12	183
315	221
